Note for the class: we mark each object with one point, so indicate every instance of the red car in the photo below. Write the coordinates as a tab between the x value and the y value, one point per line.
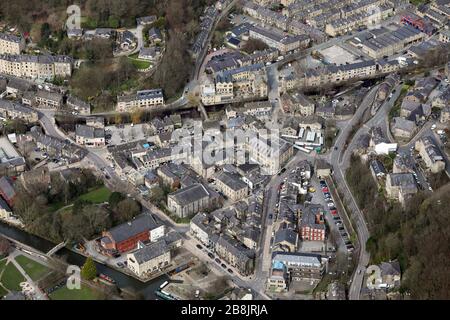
333	212
325	189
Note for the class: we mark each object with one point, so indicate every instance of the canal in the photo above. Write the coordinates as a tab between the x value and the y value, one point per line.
123	281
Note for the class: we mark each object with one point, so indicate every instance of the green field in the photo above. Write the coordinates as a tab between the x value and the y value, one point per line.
34	269
97	196
2	265
11	278
85	293
3	292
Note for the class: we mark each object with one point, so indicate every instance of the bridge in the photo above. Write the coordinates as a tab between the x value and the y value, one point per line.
56	248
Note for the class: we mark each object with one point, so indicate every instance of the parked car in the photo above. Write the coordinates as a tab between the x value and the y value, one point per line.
211	255
230	271
333	212
223	265
218	260
199	246
330	204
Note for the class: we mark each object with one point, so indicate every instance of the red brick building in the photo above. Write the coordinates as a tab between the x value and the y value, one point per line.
312	225
7	191
125	237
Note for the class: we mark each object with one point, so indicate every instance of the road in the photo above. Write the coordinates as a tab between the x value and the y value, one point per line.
339	178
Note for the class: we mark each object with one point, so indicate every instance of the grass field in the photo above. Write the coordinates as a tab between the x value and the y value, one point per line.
11	278
85	293
3	292
97	196
34	269
2	265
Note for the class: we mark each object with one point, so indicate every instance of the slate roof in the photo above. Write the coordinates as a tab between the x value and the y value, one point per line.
141	223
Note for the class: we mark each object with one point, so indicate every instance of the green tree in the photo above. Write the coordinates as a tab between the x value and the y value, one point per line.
89	270
115	198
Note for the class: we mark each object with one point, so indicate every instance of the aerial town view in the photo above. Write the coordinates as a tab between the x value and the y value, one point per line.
194	150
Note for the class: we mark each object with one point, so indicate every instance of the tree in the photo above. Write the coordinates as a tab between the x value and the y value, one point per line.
5	246
126	210
253	45
89	270
115	198
136	116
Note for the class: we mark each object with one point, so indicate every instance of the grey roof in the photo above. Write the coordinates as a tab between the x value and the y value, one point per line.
54	96
390	268
78	102
146	19
89	132
16	107
286	235
309	217
151	251
231	180
236	248
403	180
7	188
141	223
154	33
142	95
4	205
377	167
404	124
191	194
10	37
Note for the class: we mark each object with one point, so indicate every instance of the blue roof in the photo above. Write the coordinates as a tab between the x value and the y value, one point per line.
234	41
278	265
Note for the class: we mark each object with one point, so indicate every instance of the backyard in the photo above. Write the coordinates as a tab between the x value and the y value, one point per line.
140	64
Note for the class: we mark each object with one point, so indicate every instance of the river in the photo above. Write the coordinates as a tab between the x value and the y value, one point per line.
123	281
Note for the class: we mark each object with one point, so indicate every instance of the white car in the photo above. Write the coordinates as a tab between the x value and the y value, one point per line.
330	204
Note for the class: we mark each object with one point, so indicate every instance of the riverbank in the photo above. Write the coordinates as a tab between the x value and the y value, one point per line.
124	282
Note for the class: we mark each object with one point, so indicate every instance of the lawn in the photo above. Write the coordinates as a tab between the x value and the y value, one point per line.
2	264
140	64
99	195
3	292
34	269
12	278
85	293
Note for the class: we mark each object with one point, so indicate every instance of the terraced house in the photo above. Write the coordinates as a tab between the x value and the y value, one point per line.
11	44
43	67
142	99
12	110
